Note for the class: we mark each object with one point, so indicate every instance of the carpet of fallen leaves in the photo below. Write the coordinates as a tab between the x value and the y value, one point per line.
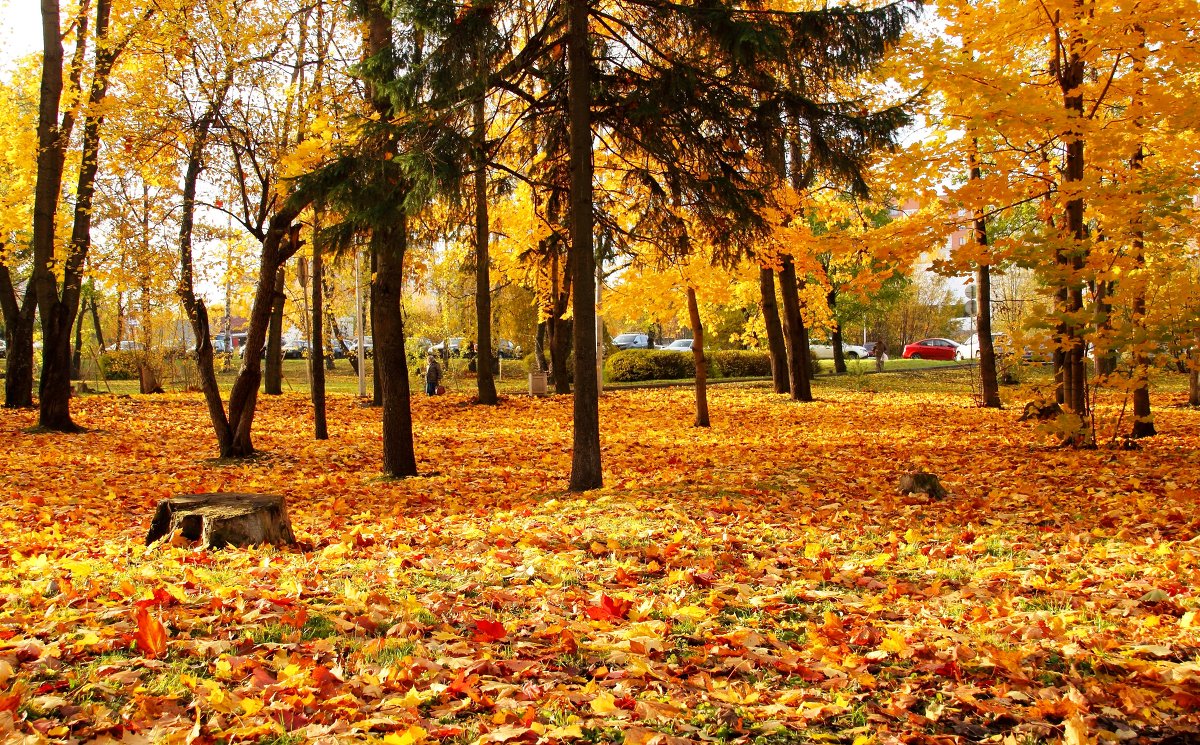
762	581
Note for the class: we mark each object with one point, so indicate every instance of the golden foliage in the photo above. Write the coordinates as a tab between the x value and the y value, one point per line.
759	577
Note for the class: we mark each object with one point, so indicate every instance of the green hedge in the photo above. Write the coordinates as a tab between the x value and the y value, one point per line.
741	363
634	365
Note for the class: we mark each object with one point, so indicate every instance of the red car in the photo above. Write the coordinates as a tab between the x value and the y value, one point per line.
932	349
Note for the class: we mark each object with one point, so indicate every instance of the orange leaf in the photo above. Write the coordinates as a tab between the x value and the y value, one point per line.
609	609
151	636
489	631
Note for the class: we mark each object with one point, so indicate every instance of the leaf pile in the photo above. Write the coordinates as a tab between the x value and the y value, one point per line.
759	582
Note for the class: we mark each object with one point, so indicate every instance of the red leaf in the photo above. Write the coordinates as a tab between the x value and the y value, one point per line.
489	631
151	636
609	609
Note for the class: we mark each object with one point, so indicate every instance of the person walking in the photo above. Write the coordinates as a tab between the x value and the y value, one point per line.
433	376
880	354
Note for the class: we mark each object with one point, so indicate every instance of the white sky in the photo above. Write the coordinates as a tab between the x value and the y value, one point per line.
20	29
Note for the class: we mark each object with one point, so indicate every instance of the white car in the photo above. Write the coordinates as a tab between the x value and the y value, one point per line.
849	351
679	345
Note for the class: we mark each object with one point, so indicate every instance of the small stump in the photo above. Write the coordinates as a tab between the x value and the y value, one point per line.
922	483
219	520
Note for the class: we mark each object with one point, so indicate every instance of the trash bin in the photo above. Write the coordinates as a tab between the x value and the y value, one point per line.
537	383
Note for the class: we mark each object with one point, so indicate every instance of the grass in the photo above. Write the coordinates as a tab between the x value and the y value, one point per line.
512	381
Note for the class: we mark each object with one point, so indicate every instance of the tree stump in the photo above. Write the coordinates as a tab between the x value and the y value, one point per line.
922	483
223	519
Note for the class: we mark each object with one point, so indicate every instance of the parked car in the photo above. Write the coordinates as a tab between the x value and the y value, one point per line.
295	350
1000	343
3	349
456	345
506	349
368	346
933	349
680	345
849	351
128	346
631	341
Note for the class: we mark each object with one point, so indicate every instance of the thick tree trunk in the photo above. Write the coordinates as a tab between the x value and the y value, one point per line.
775	342
273	377
316	342
486	384
1073	260
18	329
698	358
586	472
54	389
387	327
794	334
56	308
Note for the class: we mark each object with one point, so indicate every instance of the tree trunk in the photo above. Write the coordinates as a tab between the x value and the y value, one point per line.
335	331
539	347
485	383
376	382
56	308
1073	260
983	296
18	329
558	328
1106	356
698	357
195	308
839	354
54	412
586	472
1193	379
273	377
77	348
794	334
387	327
281	240
1143	418
96	323
316	342
775	342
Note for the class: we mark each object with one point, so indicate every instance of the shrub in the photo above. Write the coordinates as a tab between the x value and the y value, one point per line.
121	365
738	363
633	365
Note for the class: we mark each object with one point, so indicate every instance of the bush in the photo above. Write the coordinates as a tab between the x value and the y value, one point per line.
121	365
633	365
738	363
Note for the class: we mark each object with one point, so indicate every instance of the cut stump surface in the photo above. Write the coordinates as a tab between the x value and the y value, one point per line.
224	519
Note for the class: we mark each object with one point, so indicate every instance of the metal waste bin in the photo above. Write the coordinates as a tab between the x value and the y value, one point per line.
537	383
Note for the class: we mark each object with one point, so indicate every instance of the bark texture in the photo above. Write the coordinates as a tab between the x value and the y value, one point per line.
585	459
219	520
